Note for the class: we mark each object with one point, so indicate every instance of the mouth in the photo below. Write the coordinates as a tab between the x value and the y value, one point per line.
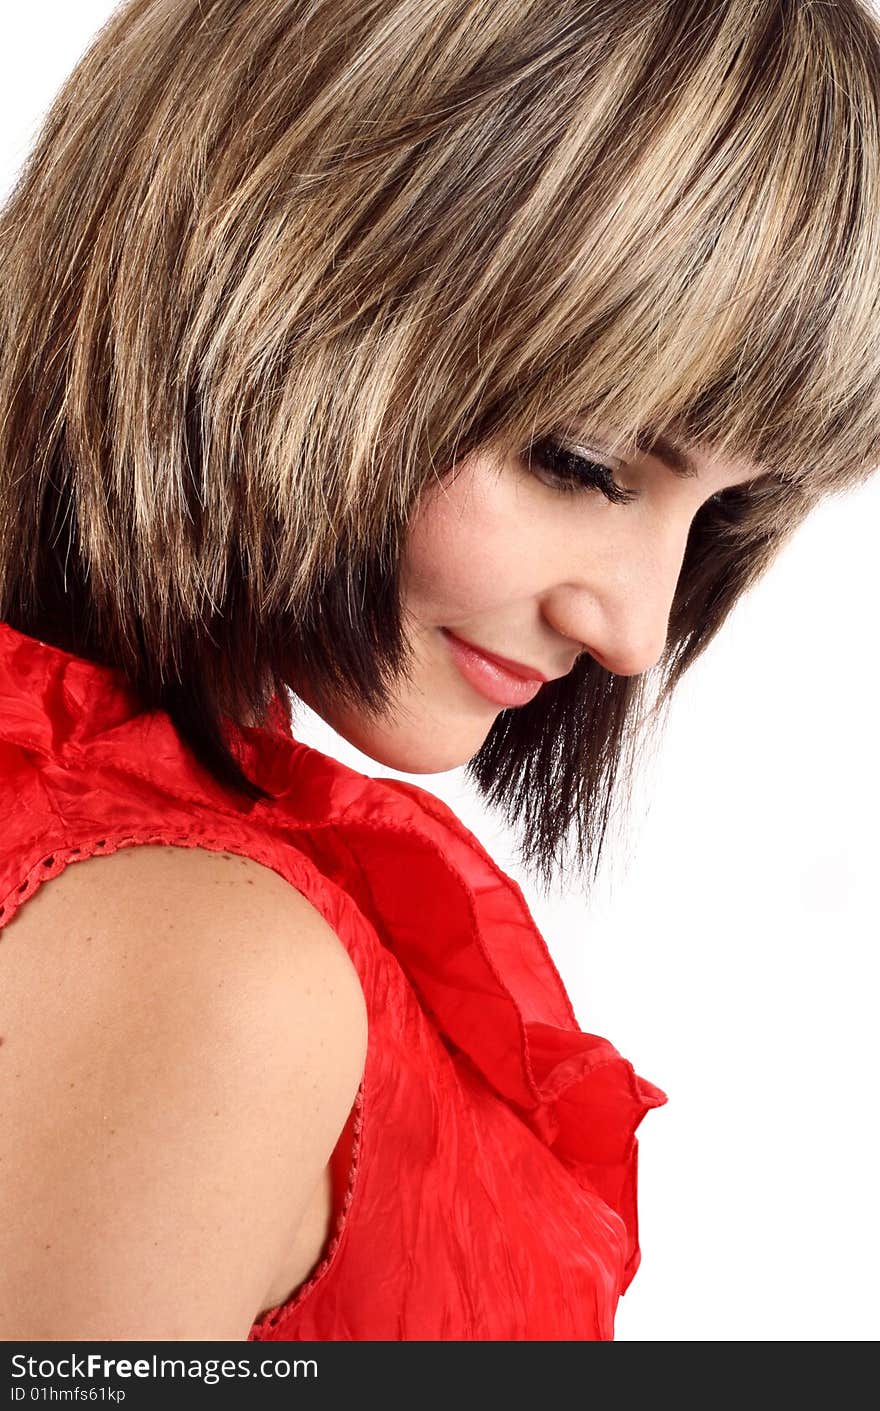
497	678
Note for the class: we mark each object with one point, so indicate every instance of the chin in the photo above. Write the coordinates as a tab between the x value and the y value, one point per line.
413	751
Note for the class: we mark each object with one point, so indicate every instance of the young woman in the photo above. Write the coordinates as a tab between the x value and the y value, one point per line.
454	367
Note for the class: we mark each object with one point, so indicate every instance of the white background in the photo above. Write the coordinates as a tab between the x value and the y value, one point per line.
731	951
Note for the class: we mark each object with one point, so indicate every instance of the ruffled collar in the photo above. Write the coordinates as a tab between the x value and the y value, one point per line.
458	924
462	930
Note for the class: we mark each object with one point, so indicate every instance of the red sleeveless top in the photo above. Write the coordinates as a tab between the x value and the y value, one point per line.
485	1181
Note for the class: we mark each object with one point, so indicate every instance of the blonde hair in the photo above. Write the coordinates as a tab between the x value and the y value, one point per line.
273	264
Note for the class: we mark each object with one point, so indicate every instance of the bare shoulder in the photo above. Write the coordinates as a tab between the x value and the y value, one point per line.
214	914
184	1035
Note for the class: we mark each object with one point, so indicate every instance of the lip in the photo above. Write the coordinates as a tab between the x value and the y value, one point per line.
500	680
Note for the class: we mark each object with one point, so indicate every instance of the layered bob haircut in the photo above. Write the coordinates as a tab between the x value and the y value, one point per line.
272	266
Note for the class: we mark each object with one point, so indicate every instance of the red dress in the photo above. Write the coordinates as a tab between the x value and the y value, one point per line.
485	1181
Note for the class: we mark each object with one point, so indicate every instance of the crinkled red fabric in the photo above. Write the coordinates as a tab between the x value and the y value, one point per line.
485	1182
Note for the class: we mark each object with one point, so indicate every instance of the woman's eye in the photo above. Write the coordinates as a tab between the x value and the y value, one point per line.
570	472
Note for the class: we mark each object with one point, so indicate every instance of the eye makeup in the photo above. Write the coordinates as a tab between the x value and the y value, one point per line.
569	469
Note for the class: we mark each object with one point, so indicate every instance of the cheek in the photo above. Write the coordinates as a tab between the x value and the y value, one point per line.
466	548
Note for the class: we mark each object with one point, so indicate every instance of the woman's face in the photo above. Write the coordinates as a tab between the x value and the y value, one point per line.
537	567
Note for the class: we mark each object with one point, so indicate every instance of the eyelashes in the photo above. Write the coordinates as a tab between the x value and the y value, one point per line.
570	472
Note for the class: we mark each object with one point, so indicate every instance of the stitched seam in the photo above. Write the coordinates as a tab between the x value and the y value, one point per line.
53	863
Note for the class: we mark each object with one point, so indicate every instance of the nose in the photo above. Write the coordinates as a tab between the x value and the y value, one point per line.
625	652
616	607
631	662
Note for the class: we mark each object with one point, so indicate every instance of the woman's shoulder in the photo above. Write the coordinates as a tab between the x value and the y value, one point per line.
160	1006
213	909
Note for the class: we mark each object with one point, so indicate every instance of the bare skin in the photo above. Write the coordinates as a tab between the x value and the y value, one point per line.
160	1007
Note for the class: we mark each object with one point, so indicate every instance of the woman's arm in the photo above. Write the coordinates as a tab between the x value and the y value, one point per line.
183	1038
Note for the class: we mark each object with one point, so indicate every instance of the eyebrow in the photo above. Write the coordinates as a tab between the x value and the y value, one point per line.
672	455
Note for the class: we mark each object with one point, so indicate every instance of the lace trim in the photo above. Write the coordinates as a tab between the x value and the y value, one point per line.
55	862
271	1319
